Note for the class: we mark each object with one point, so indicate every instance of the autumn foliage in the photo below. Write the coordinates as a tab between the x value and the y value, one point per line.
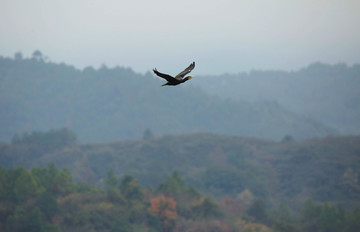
164	207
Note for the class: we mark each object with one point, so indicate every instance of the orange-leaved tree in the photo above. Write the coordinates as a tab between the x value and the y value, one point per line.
165	208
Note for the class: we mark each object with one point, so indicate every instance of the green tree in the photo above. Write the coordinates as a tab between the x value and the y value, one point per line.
37	55
283	220
18	56
28	220
62	182
112	192
49	140
148	134
111	181
322	217
46	176
207	208
352	221
257	210
130	188
48	205
3	183
173	184
350	180
121	224
26	185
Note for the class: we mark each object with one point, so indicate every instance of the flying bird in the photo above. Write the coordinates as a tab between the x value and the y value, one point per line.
178	79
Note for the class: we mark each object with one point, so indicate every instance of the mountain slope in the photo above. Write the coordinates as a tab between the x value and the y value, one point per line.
328	93
115	104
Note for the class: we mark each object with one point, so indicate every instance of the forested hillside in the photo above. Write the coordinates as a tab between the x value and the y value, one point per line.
288	171
47	200
112	104
187	183
328	93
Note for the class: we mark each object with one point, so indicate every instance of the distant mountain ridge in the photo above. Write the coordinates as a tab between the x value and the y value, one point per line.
327	93
111	104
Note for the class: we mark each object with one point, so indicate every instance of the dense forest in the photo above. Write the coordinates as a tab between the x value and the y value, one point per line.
191	182
323	169
328	93
48	199
112	104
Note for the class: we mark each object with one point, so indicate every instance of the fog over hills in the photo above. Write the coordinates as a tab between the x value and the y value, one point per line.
265	137
110	104
327	93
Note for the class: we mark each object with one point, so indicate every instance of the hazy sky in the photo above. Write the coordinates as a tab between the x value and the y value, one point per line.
221	36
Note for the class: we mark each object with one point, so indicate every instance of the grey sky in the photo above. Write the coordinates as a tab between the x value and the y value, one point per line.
221	36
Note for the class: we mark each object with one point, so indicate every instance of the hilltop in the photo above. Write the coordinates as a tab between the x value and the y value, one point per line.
112	104
327	93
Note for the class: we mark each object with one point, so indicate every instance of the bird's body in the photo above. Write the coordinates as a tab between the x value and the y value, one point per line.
178	79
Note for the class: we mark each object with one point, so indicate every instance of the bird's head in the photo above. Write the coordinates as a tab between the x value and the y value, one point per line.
188	77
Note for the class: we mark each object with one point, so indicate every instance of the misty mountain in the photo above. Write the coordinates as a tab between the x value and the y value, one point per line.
110	104
327	93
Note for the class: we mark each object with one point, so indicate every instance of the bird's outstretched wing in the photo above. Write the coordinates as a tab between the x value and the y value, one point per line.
181	75
162	75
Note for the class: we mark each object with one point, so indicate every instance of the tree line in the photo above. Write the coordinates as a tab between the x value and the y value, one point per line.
47	199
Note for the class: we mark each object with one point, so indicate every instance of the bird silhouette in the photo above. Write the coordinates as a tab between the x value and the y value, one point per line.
178	79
